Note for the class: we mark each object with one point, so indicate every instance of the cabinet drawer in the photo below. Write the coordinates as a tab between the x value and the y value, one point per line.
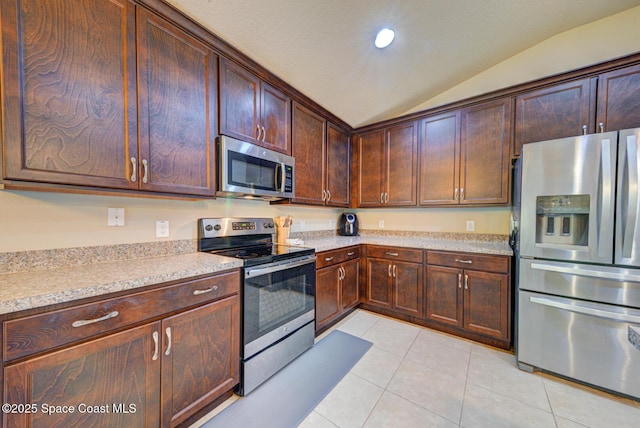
36	333
395	253
328	258
498	264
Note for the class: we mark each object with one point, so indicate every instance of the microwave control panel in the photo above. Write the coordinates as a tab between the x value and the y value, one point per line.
288	178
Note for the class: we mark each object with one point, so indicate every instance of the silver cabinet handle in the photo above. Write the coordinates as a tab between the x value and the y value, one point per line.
395	270
208	290
328	195
466	282
134	169
389	270
259	131
584	129
462	193
324	195
328	259
145	164
464	261
459	280
632	197
605	195
80	323
264	134
386	197
168	333
601	125
382	198
388	253
155	342
586	308
455	194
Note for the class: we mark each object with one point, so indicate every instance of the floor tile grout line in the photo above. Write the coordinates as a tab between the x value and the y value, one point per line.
464	392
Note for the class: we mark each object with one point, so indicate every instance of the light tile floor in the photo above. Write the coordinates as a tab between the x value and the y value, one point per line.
417	377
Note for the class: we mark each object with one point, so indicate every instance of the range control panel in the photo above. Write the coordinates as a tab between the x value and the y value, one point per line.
232	226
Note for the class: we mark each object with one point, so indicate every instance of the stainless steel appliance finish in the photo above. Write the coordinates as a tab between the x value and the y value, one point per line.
579	262
277	294
246	170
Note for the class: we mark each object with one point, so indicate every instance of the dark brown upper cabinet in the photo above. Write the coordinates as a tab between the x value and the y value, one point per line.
73	108
619	99
322	154
464	156
558	111
252	110
387	166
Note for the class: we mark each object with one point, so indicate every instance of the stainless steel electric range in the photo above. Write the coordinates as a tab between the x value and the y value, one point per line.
278	293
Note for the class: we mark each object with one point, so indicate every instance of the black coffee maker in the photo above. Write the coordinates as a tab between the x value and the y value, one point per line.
348	224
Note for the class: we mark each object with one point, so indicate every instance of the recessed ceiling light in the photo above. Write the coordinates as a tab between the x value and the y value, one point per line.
384	37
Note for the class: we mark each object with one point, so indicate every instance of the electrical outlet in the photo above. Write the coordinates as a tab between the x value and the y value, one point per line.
380	224
471	225
115	217
162	229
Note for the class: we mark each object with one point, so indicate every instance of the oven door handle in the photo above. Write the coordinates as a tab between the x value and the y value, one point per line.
252	272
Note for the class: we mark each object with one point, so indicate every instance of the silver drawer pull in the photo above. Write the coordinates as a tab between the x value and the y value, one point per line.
350	253
464	261
155	343
80	323
392	254
328	259
208	290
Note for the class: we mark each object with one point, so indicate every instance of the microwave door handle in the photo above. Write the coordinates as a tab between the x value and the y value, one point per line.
632	196
282	177
605	195
277	177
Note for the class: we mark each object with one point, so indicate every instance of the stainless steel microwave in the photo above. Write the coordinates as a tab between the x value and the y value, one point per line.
249	171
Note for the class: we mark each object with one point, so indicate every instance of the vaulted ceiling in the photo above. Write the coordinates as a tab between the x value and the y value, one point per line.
324	48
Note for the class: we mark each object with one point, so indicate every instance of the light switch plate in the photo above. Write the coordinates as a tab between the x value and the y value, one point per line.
471	225
162	229
380	224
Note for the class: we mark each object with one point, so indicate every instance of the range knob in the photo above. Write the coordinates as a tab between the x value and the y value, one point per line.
217	227
208	228
267	225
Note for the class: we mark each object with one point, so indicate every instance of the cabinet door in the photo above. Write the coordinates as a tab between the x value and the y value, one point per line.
440	159
200	358
239	102
309	153
327	295
444	295
485	158
371	158
407	289
486	303
177	81
275	118
119	373
619	99
379	282
338	167
351	284
555	112
68	91
402	164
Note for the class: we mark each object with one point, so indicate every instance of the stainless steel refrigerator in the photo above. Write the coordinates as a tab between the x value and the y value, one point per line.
578	309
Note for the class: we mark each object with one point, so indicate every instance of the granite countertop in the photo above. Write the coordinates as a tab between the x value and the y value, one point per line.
41	287
485	247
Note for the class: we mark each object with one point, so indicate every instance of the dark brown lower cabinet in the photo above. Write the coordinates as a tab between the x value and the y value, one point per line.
337	285
473	301
395	279
156	374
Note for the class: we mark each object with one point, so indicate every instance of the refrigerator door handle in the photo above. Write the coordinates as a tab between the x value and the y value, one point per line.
574	306
606	197
590	273
632	197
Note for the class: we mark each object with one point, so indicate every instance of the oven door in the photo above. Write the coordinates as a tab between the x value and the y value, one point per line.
278	299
